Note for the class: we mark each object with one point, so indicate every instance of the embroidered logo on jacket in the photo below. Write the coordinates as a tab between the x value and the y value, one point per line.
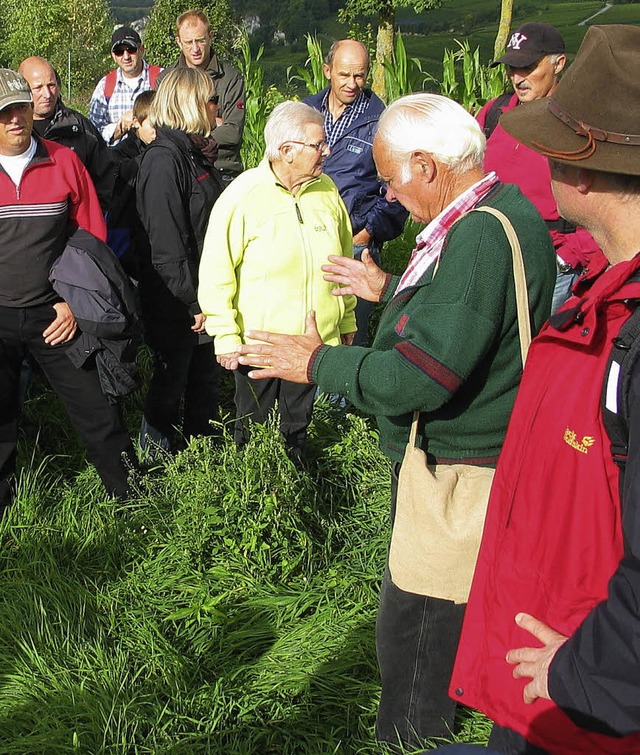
571	439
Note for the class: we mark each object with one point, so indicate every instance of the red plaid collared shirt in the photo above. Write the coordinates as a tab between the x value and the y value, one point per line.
430	241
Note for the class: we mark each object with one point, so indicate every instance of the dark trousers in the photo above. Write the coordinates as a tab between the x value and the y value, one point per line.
416	639
97	422
192	373
256	398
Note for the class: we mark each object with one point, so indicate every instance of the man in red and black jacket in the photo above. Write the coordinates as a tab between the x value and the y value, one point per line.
45	193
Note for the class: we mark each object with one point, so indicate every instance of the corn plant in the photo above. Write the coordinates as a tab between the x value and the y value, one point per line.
403	75
466	80
259	102
311	74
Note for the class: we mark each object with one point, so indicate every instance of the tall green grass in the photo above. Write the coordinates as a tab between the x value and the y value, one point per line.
230	608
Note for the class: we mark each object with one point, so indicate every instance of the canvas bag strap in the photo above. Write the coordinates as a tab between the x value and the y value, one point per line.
522	297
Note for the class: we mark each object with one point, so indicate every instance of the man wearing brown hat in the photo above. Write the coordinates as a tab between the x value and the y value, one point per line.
550	648
111	106
45	194
534	59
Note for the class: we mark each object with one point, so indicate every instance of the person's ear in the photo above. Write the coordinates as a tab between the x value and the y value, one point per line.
327	71
287	152
560	63
422	163
585	180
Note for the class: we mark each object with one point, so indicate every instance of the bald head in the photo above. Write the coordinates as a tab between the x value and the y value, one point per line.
348	46
42	80
346	68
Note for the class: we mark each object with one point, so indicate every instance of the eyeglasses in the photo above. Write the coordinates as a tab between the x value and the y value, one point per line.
214	99
120	51
318	146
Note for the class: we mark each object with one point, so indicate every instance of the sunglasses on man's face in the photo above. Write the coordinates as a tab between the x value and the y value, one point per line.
120	51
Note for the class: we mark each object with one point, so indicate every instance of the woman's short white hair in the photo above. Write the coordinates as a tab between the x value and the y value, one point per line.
434	124
287	123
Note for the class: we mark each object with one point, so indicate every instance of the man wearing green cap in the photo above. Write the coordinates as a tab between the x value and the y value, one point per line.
45	194
550	648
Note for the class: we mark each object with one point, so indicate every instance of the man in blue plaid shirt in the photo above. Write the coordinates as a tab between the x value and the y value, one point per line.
112	100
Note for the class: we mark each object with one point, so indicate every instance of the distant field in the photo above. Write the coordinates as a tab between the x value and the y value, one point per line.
472	20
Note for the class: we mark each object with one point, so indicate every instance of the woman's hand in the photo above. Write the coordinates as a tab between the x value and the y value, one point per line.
228	361
363	278
198	325
282	356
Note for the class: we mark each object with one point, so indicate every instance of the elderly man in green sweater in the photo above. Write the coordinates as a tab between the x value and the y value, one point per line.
447	346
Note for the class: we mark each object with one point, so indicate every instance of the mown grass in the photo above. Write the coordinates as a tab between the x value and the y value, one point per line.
229	609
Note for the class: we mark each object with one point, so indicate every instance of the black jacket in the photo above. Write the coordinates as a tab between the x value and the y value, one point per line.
176	188
125	234
73	130
103	300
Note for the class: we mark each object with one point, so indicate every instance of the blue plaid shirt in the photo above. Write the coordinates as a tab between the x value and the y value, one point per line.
334	130
105	115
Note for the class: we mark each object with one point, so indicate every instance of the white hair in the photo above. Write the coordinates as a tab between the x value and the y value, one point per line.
434	124
287	123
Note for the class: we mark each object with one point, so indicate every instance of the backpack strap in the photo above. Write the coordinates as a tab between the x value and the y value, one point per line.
154	72
110	84
111	78
494	113
614	400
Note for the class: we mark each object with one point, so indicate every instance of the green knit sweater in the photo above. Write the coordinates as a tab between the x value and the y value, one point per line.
449	346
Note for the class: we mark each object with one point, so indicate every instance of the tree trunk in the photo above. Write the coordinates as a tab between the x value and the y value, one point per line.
506	13
384	45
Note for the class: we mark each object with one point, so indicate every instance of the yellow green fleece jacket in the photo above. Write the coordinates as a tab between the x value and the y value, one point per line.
260	266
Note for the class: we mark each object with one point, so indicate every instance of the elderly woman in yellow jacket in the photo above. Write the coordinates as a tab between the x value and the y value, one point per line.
268	235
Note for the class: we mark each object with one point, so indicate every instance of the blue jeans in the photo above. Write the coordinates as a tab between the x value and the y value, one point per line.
364	308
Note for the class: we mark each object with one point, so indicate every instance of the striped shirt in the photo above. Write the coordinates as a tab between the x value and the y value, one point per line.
335	130
105	115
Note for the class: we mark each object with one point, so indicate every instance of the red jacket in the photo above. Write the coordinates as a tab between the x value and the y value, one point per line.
517	164
553	541
55	196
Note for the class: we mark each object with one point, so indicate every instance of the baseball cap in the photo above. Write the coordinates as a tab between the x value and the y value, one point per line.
125	35
529	43
13	88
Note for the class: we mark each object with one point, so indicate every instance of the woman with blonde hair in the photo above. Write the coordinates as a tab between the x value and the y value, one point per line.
177	186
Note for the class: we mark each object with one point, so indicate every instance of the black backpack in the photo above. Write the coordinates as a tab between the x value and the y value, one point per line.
494	113
614	399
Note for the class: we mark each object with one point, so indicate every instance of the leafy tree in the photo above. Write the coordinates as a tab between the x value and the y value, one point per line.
57	30
385	11
160	34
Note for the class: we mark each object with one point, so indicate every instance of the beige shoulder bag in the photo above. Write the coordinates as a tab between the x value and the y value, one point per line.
440	509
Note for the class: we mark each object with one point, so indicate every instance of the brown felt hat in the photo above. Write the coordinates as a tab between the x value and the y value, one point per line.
592	119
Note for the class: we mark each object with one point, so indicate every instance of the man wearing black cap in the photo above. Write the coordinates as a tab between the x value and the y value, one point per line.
535	57
45	194
550	647
112	100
